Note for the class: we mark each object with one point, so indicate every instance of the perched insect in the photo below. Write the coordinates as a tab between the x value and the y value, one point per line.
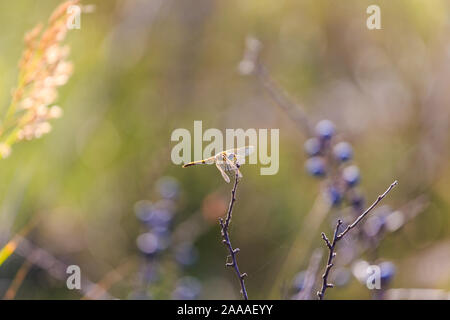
229	160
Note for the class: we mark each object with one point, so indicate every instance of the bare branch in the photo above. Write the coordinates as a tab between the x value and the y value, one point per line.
380	197
226	240
338	236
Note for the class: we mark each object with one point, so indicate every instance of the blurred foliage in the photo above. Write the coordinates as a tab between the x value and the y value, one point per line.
144	68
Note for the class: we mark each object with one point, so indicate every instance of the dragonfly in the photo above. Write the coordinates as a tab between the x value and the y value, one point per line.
228	160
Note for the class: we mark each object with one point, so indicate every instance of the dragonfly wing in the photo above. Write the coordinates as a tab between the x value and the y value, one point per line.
204	161
222	171
244	151
239	154
210	160
248	150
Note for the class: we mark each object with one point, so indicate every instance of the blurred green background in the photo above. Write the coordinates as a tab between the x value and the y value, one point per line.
146	67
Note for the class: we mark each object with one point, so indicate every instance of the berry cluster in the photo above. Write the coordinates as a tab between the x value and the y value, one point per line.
156	242
332	160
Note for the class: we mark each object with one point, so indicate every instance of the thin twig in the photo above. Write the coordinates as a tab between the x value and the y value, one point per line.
338	236
226	240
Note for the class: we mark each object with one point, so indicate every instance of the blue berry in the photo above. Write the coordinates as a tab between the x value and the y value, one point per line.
377	221
143	210
299	281
334	195
325	129
316	166
387	271
357	201
351	176
168	187
161	214
186	254
343	151
373	225
312	146
148	243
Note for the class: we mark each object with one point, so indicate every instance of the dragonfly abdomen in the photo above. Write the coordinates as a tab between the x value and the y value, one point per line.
204	161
